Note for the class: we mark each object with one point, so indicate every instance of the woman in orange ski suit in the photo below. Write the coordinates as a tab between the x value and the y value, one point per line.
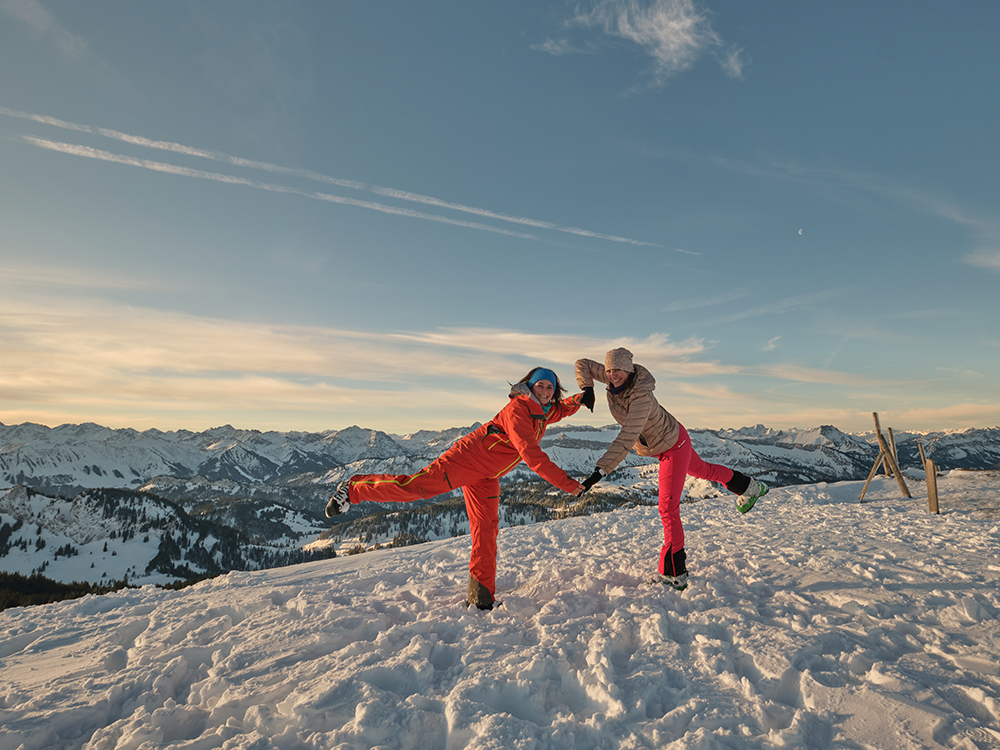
475	463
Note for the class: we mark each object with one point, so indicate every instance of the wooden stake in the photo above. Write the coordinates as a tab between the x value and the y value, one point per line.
932	493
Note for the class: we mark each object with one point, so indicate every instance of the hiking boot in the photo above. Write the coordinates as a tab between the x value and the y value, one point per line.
678	582
479	595
340	502
673	563
753	493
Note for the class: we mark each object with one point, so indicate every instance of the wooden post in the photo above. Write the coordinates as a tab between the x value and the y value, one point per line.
887	453
931	470
932	495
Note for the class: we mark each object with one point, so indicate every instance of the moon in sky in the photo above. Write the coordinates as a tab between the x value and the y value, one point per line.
800	231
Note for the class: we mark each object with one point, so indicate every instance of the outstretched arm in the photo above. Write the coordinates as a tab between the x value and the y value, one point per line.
638	413
522	431
587	371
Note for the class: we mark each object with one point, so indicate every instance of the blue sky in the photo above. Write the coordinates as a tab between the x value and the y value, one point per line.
304	216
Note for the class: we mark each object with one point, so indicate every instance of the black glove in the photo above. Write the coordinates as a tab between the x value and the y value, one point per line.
592	480
587	399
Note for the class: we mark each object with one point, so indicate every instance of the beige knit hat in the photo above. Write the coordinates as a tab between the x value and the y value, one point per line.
619	359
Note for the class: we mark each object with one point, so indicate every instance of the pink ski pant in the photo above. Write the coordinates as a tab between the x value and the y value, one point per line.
675	465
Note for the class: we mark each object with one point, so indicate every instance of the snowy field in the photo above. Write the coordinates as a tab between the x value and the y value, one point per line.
812	622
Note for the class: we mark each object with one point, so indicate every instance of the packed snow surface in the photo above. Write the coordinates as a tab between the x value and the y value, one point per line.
815	621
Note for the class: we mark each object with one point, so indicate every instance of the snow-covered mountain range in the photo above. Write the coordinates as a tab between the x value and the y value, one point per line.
75	457
297	467
88	503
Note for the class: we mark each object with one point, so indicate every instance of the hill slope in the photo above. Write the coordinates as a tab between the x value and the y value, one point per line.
106	535
814	621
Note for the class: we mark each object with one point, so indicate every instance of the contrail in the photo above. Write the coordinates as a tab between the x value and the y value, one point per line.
417	198
159	166
308	174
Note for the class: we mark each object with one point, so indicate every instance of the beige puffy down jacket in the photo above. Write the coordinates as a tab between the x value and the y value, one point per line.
646	426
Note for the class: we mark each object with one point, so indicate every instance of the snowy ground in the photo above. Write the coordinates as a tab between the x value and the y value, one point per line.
812	622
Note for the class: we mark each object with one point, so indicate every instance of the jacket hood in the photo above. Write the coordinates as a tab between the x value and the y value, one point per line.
523	389
520	389
644	380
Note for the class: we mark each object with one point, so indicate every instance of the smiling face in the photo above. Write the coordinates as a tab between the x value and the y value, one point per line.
617	377
543	391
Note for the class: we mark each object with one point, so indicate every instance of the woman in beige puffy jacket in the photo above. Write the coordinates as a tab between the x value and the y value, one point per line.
653	431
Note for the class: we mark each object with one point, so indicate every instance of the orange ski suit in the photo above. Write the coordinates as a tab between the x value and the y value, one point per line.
475	463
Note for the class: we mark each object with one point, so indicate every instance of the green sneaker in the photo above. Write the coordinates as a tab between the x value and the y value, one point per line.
754	492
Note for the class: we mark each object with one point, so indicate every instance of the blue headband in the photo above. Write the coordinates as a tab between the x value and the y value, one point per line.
542	374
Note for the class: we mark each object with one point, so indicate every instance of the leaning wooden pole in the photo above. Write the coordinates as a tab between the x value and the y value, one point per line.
888	457
892	444
871	475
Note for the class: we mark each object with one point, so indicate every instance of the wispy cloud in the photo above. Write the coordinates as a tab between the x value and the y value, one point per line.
852	187
724	298
798	374
220	157
980	413
103	359
672	33
733	61
924	314
657	351
97	358
985	258
961	371
771	345
784	305
48	276
564	46
71	359
41	20
73	48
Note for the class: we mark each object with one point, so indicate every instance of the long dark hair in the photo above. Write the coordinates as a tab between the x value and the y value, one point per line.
559	391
